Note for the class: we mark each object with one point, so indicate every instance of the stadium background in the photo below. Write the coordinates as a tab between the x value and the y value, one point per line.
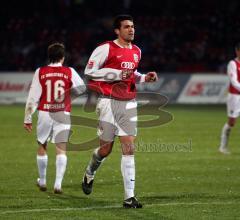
180	174
174	36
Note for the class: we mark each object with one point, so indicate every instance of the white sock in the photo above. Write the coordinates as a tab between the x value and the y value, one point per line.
61	163
42	162
225	135
128	173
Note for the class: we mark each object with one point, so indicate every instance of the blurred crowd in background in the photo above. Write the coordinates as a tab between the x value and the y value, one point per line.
183	36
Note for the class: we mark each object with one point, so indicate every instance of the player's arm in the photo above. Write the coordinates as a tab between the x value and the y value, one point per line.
94	68
32	101
232	73
139	78
78	85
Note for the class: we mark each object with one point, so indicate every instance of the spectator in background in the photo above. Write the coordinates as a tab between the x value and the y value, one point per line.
192	40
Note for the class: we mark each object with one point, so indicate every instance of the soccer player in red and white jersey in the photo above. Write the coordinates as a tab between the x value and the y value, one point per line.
50	92
233	100
112	73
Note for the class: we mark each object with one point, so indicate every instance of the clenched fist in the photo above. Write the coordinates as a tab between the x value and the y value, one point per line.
151	77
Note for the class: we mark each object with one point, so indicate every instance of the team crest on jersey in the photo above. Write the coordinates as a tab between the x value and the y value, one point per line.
135	57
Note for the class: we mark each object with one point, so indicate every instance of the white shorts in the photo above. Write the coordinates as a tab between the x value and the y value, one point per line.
233	105
53	125
116	118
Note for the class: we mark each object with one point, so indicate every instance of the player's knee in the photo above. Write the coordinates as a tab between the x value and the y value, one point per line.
104	151
42	150
128	149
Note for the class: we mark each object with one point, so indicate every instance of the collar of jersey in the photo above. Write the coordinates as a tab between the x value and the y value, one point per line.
55	64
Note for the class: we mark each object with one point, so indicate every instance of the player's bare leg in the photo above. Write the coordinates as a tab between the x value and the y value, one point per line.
61	164
42	161
128	171
225	135
97	158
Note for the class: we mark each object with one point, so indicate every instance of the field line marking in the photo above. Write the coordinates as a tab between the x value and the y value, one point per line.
115	206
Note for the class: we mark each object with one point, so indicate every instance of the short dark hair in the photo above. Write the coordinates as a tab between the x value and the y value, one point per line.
237	46
118	19
56	52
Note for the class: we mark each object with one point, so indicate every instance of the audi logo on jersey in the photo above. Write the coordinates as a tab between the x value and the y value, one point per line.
128	65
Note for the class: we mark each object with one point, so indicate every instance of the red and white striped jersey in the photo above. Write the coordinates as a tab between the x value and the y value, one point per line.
50	89
233	71
105	66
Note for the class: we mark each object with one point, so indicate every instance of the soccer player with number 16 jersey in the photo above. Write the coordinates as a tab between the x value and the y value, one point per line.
50	92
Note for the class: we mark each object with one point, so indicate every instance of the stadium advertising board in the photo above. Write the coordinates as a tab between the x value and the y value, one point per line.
205	89
178	88
169	85
14	87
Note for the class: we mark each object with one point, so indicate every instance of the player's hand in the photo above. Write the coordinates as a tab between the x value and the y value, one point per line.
126	74
151	77
28	126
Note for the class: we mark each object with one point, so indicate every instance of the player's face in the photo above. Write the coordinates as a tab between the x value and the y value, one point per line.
126	31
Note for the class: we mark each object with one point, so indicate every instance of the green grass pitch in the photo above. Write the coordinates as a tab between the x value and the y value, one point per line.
184	178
